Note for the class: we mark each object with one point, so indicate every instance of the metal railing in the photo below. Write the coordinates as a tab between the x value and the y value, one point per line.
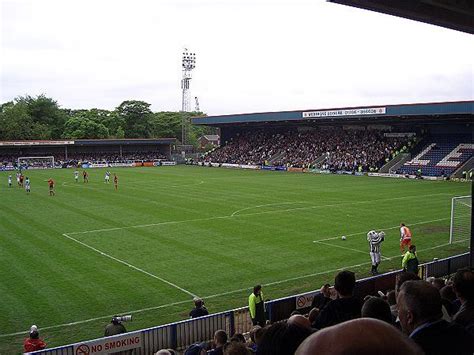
180	335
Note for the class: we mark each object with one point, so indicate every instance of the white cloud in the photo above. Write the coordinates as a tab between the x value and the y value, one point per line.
258	55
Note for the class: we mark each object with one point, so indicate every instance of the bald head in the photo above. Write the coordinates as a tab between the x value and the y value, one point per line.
364	336
300	321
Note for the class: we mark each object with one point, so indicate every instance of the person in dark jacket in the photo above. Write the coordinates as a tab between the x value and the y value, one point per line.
419	310
345	307
199	310
114	327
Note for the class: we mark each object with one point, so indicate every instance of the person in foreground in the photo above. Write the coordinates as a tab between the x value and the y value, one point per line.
419	310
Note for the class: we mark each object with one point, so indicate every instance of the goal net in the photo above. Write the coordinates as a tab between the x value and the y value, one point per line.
36	162
461	209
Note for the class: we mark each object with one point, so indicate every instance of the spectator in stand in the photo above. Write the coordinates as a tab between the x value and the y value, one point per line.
419	310
196	349
257	306
345	307
377	308
199	309
392	302
322	298
238	337
463	285
256	334
363	336
33	342
166	352
282	338
450	300
220	339
300	321
236	348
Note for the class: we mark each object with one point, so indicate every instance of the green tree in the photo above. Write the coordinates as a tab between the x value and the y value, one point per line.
136	116
165	125
47	117
77	128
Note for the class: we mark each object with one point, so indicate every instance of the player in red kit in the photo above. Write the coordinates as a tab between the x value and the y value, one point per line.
115	181
51	187
85	175
405	237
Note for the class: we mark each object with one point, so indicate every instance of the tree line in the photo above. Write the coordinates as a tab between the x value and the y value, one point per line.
41	117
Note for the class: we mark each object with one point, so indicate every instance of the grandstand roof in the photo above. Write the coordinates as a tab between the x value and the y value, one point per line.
432	110
455	14
88	142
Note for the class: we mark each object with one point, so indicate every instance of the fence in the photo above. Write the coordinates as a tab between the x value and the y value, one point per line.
180	335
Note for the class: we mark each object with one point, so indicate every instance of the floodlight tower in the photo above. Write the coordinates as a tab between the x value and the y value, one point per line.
188	64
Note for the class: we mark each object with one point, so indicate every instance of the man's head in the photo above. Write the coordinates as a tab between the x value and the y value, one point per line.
220	338
418	302
402	224
34	334
236	348
377	308
412	248
300	321
198	302
438	283
463	285
344	283
362	336
282	338
257	289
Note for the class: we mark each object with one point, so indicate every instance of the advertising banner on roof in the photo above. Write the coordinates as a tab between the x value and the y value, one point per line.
345	112
29	143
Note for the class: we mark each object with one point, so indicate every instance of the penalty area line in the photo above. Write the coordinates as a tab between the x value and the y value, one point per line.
130	265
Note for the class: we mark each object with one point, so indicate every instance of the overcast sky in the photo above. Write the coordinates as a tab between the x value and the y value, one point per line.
252	55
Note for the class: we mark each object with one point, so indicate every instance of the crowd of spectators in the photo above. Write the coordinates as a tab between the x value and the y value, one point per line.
417	317
73	159
339	149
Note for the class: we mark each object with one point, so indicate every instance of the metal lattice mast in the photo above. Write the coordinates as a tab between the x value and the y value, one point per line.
188	64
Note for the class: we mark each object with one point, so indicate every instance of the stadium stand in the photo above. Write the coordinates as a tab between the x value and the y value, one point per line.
441	155
334	148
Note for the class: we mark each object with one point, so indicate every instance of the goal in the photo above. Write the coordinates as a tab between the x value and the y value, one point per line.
36	162
461	209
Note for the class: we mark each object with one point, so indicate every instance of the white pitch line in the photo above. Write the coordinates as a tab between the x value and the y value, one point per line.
232	215
221	294
358	233
265	205
130	265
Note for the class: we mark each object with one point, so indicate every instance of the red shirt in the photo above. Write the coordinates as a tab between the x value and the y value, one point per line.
33	345
51	182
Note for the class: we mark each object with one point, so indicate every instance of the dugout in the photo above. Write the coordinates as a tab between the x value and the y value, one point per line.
65	149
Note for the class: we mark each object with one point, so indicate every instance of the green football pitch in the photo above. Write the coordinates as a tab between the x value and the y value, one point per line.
69	262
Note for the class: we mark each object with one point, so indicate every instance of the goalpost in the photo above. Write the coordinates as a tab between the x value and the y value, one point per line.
461	209
36	162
